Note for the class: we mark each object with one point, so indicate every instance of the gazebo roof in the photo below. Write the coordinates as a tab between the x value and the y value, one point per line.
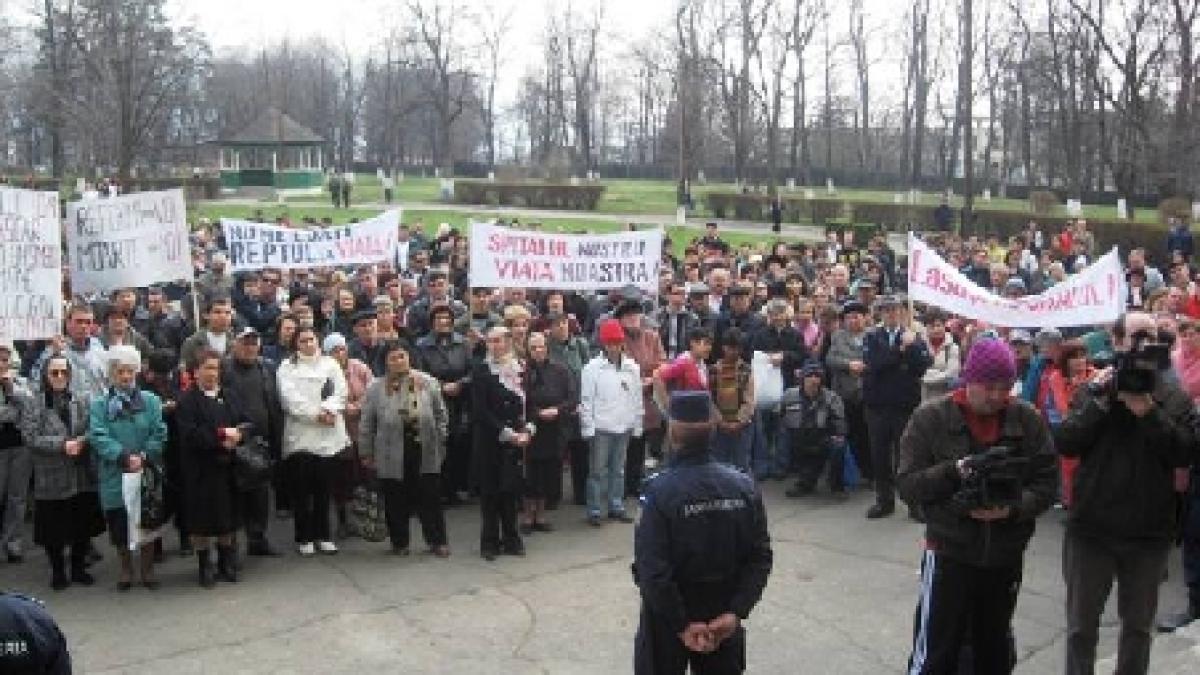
273	127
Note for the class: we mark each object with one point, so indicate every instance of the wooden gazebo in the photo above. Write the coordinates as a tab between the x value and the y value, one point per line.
273	151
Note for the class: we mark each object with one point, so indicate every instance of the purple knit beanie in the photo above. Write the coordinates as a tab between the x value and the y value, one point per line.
990	362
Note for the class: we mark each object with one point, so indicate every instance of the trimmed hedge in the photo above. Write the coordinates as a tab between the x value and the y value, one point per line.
836	214
583	197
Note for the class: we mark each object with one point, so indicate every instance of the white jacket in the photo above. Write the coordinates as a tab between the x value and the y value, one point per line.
610	398
300	384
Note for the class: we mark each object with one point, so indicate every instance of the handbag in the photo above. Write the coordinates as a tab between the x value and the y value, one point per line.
153	506
365	513
251	464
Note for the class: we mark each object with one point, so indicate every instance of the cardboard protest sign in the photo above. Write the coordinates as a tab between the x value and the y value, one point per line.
256	246
1094	296
508	258
128	241
31	306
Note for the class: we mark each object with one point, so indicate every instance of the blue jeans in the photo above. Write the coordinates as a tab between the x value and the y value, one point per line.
771	455
734	448
606	473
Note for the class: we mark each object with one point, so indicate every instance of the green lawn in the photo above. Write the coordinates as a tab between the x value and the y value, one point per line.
648	197
680	236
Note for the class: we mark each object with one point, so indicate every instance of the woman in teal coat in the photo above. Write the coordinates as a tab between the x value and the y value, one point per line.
126	431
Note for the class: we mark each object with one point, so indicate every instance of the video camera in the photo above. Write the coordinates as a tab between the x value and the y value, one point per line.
993	478
1136	369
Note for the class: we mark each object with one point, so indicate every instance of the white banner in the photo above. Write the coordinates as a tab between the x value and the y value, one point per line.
31	302
508	258
128	241
255	246
1094	296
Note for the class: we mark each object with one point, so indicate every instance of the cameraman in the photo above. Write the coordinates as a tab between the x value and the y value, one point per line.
972	567
1131	427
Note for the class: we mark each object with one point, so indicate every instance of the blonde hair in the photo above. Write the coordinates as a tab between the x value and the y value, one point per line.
513	313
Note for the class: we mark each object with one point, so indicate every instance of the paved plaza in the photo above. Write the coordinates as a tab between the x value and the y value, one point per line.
840	600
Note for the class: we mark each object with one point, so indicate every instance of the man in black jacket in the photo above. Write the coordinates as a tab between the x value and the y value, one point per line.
1131	434
702	554
740	315
895	359
974	545
786	351
247	374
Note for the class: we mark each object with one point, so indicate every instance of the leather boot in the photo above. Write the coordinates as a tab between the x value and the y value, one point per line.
205	568
79	573
58	568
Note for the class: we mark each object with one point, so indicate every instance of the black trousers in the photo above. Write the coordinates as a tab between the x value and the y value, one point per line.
657	651
308	478
1191	543
457	464
860	441
810	461
957	597
580	456
419	494
498	512
885	426
255	505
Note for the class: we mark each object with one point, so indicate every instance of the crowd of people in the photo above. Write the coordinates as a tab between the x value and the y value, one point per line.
402	381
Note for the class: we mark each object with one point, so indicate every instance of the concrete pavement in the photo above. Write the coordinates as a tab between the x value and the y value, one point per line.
840	600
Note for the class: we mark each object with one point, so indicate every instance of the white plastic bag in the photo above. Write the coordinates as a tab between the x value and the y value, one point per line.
768	381
131	491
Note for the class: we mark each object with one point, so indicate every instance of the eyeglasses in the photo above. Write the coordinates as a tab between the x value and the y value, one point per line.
57	373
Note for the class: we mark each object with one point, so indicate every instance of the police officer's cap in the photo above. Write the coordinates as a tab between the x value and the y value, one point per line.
690	406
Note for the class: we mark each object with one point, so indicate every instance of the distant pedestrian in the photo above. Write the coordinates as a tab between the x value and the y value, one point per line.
335	190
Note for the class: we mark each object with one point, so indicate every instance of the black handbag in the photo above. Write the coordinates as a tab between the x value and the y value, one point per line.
251	464
154	507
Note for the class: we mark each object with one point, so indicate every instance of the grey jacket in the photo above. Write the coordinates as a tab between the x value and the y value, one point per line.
56	475
844	348
381	431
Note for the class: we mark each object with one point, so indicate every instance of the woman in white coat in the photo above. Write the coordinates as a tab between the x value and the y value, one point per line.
312	390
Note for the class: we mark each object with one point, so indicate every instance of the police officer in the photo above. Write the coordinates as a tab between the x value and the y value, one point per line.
30	641
702	553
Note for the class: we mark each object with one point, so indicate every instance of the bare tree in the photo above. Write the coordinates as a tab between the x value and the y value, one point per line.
438	31
862	68
805	14
966	106
494	23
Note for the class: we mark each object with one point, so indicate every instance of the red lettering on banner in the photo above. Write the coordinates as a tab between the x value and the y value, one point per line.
915	266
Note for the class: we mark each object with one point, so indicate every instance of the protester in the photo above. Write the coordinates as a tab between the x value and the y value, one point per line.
127	433
402	437
814	422
551	398
611	412
15	462
312	391
345	464
501	435
732	385
212	423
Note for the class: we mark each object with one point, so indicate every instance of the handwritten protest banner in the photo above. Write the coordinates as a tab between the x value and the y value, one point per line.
128	241
1094	296
255	246
30	265
504	257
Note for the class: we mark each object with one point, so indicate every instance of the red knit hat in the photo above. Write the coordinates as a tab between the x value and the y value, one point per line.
611	332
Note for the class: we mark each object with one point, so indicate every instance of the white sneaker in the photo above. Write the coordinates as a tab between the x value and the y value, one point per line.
306	549
326	547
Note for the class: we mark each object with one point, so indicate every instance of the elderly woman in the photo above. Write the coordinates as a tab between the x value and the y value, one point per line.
552	397
126	431
312	390
501	436
403	436
358	377
67	508
212	422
